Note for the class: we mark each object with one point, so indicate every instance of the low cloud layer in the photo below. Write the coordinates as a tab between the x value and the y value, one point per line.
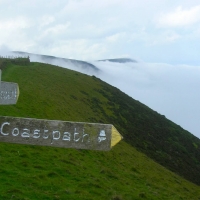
171	90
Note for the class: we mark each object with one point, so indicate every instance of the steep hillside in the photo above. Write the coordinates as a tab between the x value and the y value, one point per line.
50	92
69	95
35	172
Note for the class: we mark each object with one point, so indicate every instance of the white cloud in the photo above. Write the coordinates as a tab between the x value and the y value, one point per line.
165	38
171	90
180	17
58	29
172	37
116	37
14	24
13	33
46	20
4	50
78	48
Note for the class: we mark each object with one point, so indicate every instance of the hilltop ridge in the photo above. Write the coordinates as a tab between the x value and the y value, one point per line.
81	65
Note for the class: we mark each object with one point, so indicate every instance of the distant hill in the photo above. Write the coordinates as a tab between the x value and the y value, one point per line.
51	92
120	60
82	66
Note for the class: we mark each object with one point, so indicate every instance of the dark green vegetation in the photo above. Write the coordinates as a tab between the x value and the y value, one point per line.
33	172
5	61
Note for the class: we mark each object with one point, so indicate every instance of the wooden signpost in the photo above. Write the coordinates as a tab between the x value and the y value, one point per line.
56	133
9	92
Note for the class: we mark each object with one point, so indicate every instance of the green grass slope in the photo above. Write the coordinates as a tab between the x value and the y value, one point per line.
35	172
49	92
55	93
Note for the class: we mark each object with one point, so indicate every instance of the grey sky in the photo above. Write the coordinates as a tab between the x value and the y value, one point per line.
154	31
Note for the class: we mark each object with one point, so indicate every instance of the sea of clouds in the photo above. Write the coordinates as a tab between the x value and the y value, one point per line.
171	90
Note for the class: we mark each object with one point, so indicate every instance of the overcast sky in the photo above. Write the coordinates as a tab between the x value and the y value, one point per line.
164	35
154	31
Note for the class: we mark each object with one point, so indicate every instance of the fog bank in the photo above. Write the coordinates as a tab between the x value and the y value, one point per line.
171	90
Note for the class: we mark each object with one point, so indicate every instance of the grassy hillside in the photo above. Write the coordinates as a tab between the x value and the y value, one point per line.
50	92
35	172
